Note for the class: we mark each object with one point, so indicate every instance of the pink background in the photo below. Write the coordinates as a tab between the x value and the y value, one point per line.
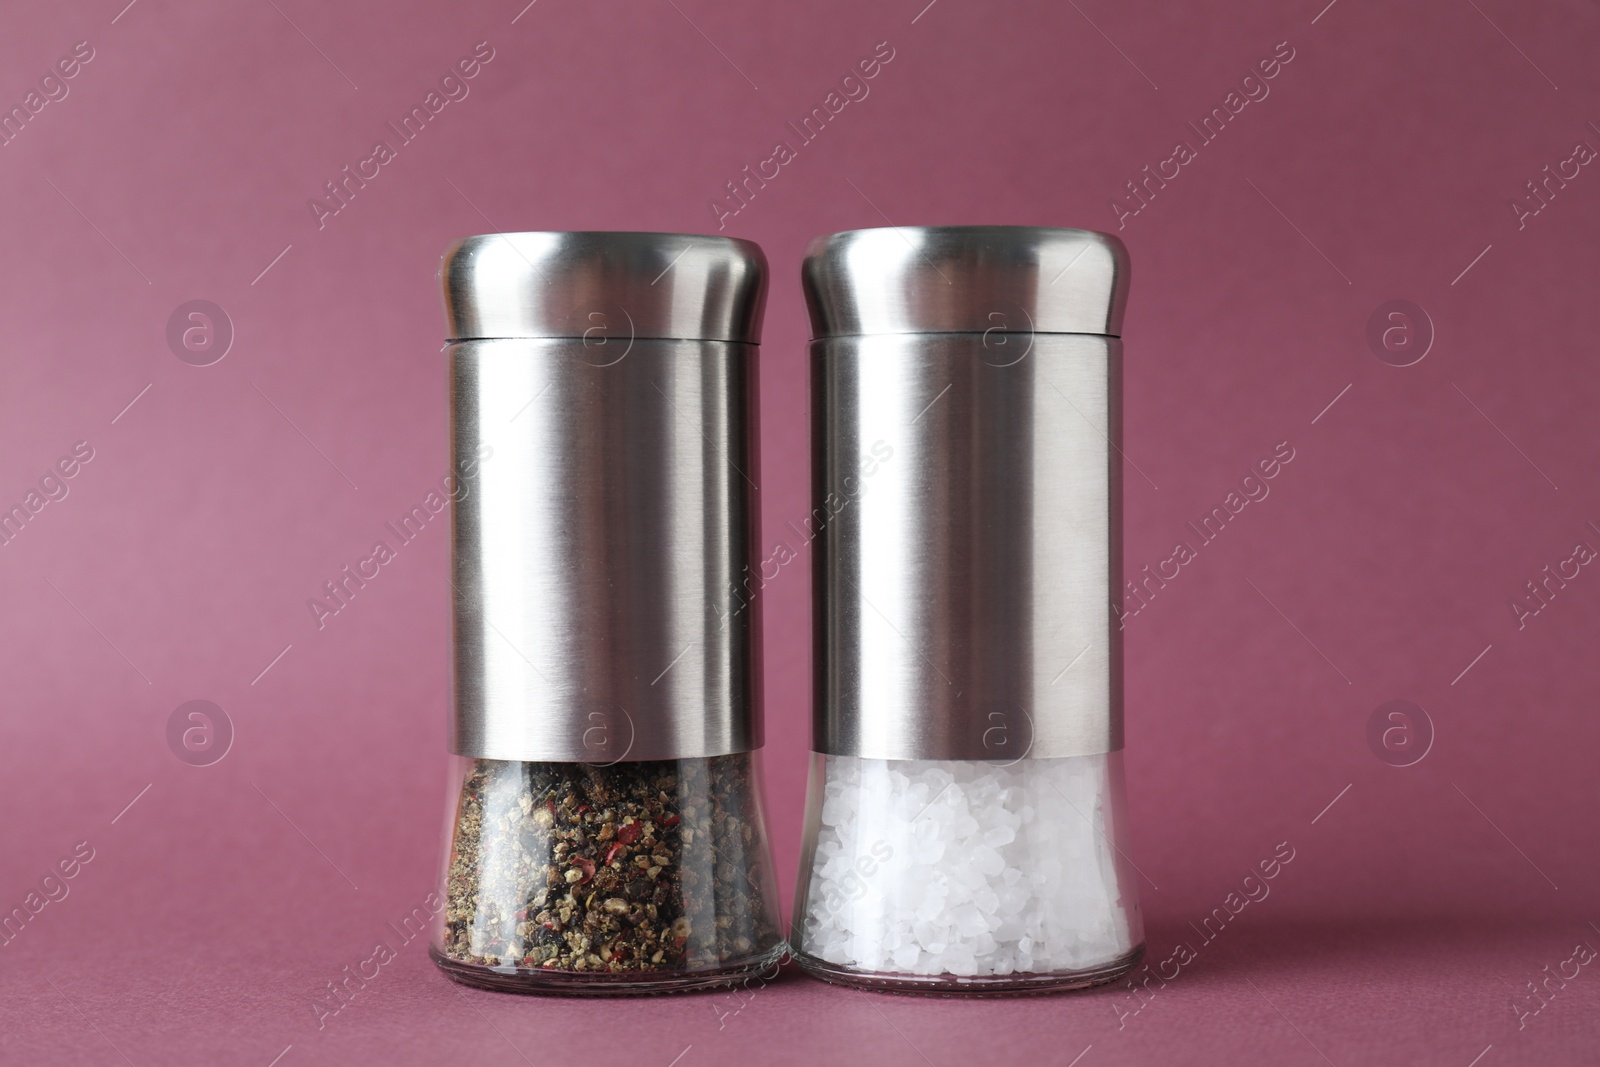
1383	162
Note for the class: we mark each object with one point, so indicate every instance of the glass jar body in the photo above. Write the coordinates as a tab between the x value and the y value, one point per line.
632	877
958	876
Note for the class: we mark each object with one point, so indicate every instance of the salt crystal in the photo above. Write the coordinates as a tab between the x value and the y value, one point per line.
969	921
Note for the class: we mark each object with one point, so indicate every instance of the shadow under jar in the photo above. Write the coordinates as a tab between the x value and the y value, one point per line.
606	832
964	829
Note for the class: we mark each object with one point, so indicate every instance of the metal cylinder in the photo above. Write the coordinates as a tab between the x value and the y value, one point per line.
966	418
603	426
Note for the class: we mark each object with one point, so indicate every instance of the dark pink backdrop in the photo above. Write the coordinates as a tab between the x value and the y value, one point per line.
1382	566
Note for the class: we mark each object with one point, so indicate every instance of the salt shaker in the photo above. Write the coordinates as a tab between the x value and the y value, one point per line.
965	816
605	831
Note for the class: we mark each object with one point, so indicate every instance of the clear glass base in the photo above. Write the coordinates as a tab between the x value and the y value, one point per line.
966	875
987	985
619	879
552	982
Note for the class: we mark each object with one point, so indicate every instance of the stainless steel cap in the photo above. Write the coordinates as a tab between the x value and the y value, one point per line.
604	553
965	279
966	398
598	284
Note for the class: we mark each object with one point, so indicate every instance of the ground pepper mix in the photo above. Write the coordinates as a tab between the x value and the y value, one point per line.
634	867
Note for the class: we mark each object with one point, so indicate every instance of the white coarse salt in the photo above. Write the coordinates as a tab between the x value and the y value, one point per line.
966	868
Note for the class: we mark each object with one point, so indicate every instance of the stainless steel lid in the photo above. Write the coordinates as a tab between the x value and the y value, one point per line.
965	279
598	284
967	406
604	522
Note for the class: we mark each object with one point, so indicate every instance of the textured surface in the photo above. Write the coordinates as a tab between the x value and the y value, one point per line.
1379	565
965	868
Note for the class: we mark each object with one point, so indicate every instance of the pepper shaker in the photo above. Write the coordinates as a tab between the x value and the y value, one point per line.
964	822
605	833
